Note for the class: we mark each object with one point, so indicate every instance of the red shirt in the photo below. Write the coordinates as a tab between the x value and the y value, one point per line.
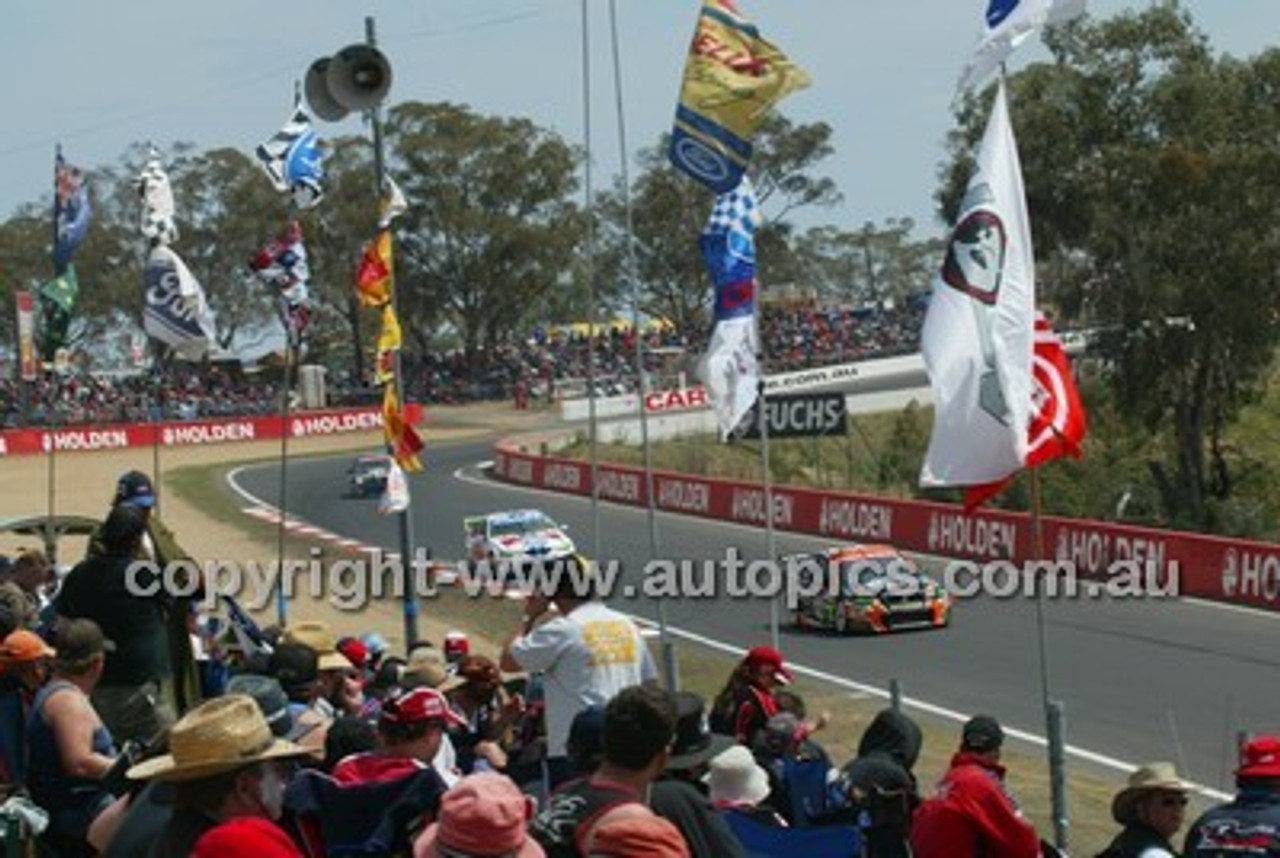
972	814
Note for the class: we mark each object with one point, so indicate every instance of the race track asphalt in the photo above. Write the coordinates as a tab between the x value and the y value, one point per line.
1140	680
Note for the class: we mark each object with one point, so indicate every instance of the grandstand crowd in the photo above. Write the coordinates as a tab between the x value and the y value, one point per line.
546	364
132	726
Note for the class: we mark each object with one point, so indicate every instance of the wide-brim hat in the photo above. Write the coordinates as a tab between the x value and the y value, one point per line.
1149	778
694	743
736	778
319	637
220	735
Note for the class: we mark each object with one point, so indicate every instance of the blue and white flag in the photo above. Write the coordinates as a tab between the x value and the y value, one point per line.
158	223
730	369
292	159
176	312
1006	25
70	211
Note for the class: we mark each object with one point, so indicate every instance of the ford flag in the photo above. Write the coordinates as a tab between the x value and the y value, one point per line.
176	312
732	77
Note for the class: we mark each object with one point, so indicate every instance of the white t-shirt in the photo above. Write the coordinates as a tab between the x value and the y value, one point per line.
586	657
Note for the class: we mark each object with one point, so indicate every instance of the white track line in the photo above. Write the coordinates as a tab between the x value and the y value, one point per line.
1103	760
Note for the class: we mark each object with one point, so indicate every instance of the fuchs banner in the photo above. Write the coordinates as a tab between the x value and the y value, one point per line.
799	415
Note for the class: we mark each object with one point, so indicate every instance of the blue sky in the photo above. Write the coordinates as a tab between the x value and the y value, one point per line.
98	76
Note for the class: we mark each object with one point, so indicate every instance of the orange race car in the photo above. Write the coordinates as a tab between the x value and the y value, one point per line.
864	588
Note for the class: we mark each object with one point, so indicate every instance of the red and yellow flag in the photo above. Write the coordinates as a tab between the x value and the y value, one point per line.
388	344
403	439
373	277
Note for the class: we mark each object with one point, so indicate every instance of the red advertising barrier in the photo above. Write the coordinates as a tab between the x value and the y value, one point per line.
1237	571
20	442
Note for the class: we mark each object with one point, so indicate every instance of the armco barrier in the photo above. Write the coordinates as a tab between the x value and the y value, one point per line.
1228	570
301	424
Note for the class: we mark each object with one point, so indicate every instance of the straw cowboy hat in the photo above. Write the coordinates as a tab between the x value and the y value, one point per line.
319	637
218	736
1150	778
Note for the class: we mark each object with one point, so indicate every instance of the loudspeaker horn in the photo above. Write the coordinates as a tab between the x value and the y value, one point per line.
359	77
321	100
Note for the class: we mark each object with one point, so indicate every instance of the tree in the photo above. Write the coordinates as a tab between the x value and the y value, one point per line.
1153	182
493	229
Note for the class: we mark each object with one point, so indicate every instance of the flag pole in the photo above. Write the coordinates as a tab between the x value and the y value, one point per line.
410	607
1055	727
592	299
282	612
766	468
51	416
665	643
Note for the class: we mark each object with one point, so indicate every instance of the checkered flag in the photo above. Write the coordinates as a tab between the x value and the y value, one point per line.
728	240
153	186
736	210
291	159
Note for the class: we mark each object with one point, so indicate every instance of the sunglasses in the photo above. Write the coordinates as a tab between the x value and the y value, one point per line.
1173	801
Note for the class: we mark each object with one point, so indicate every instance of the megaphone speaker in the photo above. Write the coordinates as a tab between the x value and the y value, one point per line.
359	77
321	100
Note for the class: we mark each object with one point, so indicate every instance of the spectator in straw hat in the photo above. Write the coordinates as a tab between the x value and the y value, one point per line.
225	763
484	815
1250	823
331	664
1150	808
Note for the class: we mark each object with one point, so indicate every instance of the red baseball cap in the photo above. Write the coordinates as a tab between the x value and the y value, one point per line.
1260	758
355	651
759	655
420	704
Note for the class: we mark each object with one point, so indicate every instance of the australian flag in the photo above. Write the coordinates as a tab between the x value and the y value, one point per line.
70	211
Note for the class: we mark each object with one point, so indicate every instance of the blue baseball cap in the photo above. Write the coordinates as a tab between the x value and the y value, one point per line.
134	488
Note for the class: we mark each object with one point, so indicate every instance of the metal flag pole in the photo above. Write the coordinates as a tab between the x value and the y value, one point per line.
282	611
408	584
589	250
666	644
1055	718
51	418
771	548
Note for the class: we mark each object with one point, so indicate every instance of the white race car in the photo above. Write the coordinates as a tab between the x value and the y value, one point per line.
522	534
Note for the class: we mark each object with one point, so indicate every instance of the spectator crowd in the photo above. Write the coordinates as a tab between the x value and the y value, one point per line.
129	726
546	363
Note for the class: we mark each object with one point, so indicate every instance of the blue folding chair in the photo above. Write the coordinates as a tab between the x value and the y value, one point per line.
767	841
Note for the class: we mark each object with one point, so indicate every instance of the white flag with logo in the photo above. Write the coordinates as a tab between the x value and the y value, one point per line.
978	331
1006	25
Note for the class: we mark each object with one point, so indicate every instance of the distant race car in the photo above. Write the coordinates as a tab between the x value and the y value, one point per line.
368	475
522	534
875	589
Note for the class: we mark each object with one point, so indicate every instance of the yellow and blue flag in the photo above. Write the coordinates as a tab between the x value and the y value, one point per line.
732	77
